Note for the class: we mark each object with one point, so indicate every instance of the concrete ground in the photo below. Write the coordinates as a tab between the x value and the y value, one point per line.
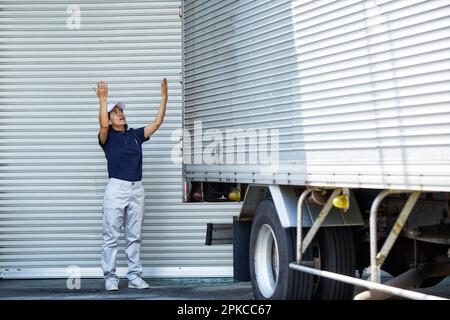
160	289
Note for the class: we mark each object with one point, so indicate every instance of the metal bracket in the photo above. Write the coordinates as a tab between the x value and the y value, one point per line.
302	244
377	260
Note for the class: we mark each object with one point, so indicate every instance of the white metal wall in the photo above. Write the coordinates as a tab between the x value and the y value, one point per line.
52	171
359	90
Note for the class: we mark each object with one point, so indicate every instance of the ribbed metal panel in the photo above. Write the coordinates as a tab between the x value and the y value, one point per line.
52	171
359	90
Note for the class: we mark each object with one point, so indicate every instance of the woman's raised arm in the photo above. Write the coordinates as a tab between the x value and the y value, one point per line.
102	93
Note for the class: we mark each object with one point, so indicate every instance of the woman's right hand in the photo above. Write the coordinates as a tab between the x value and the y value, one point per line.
164	89
101	91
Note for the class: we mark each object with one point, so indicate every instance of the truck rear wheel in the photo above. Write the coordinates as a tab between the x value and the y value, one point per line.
336	254
272	248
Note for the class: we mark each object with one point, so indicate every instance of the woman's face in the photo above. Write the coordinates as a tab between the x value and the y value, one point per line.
117	117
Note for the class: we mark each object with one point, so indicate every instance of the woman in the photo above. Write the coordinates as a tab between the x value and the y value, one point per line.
123	203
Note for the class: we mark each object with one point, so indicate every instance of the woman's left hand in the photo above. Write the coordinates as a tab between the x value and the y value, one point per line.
164	89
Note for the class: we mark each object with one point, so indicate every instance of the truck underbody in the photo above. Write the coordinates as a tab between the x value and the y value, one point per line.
411	228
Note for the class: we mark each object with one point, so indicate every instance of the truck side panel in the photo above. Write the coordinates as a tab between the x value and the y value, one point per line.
357	94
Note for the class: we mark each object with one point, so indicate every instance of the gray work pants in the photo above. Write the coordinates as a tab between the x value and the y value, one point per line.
123	204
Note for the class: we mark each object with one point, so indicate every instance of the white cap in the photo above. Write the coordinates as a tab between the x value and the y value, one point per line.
119	104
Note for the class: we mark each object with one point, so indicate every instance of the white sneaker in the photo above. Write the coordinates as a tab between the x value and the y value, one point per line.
138	283
111	284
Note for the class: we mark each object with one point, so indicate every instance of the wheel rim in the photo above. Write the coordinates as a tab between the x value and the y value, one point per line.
266	261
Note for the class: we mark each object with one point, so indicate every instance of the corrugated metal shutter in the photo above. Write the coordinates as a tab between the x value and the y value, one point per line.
359	90
52	171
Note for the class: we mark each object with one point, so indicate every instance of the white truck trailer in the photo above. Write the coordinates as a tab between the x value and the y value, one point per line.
329	120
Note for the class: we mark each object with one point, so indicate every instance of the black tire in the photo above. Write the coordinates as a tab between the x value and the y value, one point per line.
289	284
334	249
337	254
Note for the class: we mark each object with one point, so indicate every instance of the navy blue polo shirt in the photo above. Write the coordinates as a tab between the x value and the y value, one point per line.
123	151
